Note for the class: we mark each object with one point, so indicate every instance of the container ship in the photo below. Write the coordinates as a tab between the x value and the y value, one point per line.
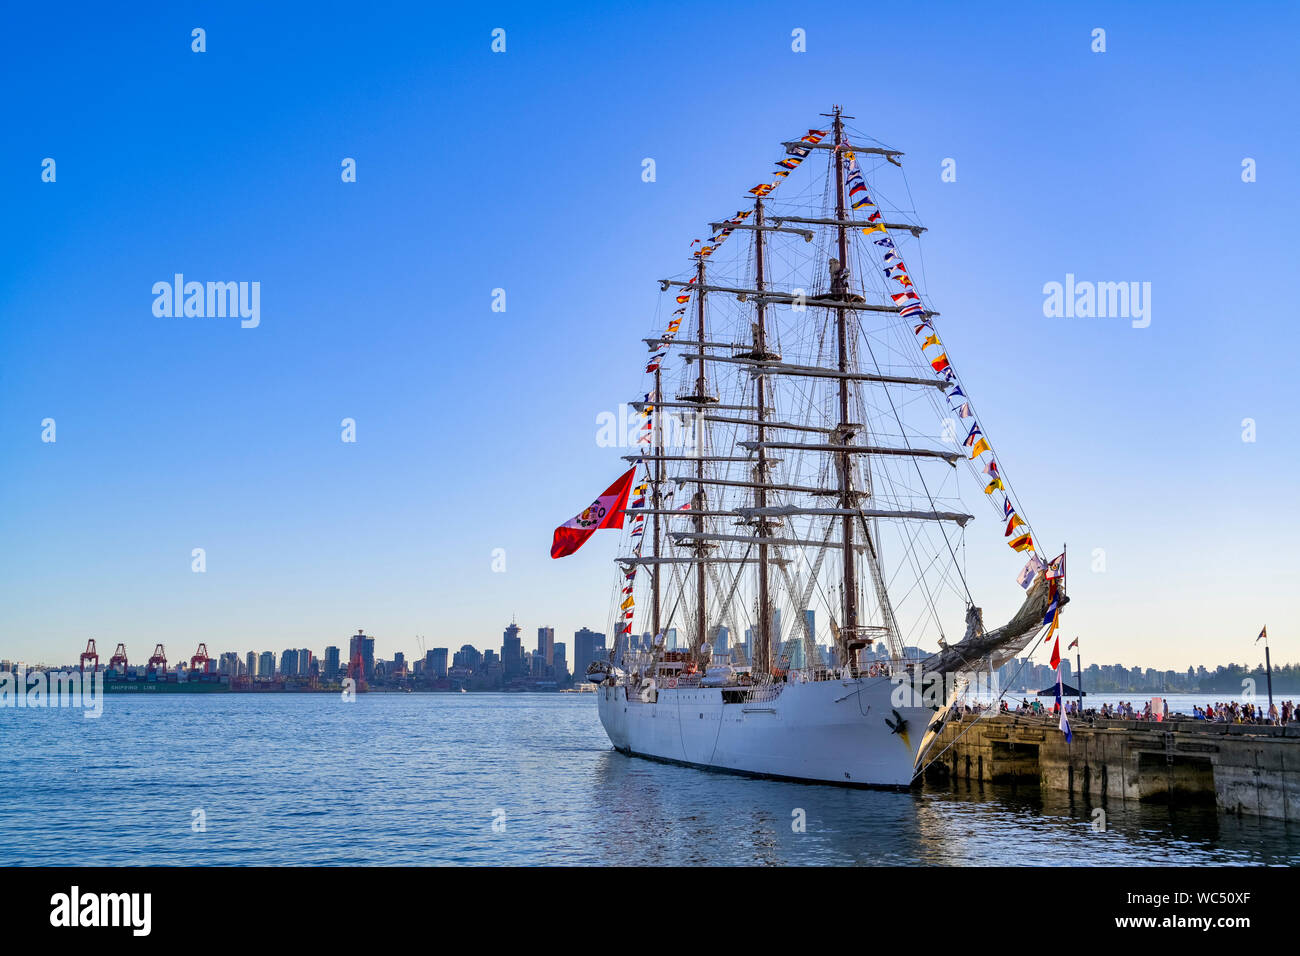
119	678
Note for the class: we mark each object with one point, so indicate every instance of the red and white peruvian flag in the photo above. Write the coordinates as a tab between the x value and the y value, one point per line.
607	511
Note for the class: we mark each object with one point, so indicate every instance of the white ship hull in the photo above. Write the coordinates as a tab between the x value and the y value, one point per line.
832	731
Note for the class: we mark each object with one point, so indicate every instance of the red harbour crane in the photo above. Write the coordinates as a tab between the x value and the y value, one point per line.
118	658
201	658
159	659
90	654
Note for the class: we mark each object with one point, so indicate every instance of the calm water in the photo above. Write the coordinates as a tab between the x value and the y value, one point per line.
416	778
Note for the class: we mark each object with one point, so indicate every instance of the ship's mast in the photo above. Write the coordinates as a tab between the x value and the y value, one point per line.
839	290
657	498
762	645
701	398
843	504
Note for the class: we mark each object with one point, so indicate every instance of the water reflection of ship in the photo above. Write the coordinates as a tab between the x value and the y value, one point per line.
683	816
677	811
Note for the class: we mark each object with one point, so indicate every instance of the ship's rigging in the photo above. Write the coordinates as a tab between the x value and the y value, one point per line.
809	480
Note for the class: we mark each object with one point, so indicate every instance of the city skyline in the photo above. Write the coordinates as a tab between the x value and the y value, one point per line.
1248	650
476	430
575	652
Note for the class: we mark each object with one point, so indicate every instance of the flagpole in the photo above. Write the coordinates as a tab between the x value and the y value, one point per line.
1078	665
1268	670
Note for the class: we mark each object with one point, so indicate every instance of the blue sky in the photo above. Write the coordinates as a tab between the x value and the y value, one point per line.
475	171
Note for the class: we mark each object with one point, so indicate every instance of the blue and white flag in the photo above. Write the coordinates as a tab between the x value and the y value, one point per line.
1052	607
1029	572
1064	724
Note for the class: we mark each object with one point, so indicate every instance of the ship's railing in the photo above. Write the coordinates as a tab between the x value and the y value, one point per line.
765	692
810	675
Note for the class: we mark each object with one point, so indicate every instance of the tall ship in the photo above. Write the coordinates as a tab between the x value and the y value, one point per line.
793	526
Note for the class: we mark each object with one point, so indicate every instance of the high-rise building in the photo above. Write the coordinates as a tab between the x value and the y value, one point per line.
288	663
546	645
588	646
399	663
251	664
720	639
512	652
561	663
795	641
332	662
435	663
468	657
266	665
304	662
365	646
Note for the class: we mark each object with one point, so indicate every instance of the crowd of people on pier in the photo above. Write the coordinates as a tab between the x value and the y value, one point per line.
1121	711
1231	712
1125	710
1225	712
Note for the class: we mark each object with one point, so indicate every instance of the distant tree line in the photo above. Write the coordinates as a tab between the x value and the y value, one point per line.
1226	680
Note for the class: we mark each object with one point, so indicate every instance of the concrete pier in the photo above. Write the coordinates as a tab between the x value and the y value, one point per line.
1240	768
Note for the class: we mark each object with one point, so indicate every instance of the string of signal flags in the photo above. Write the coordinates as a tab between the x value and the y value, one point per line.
574	533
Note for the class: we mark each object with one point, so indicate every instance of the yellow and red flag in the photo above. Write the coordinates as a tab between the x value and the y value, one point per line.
1021	543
